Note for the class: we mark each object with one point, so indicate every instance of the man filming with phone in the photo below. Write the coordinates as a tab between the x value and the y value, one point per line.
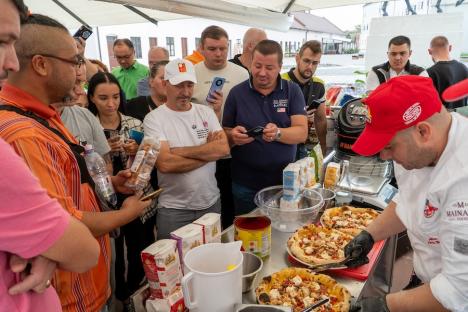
277	105
214	46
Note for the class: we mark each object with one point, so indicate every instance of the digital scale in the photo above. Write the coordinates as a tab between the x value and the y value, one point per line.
366	178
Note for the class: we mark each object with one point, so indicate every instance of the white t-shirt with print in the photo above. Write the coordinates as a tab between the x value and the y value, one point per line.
196	189
433	205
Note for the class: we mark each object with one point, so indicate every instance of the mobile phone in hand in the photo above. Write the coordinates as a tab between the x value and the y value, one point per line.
216	85
314	104
255	131
151	195
83	32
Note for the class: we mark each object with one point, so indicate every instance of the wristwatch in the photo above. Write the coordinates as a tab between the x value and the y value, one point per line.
278	134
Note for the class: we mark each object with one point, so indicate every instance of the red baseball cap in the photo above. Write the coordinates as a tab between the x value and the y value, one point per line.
456	92
395	105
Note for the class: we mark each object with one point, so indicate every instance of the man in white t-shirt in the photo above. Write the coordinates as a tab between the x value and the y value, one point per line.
214	45
408	124
191	141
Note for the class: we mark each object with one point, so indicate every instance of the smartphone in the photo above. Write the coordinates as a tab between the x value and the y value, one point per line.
216	85
111	133
255	131
314	104
136	135
151	195
83	32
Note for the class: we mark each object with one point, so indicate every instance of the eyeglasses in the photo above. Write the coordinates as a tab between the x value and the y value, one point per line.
310	62
77	62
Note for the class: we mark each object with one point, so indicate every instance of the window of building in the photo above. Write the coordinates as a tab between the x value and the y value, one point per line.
197	42
137	45
170	45
153	41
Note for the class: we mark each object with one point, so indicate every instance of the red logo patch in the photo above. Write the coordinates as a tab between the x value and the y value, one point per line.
429	210
182	68
433	241
205	124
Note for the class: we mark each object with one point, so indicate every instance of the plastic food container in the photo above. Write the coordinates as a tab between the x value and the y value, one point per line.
268	200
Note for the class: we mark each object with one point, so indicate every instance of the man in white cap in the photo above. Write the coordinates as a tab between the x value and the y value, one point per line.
191	141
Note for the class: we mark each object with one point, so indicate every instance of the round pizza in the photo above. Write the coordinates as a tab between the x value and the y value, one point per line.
316	245
300	288
348	219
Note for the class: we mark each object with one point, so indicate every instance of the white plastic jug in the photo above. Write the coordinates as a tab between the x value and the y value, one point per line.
213	279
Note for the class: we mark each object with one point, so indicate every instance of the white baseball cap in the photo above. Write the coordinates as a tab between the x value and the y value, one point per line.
178	70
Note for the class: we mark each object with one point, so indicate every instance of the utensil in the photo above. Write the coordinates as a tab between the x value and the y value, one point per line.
316	305
341	264
251	265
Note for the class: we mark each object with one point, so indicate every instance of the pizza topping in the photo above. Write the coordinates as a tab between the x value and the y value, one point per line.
264	298
297	280
274	294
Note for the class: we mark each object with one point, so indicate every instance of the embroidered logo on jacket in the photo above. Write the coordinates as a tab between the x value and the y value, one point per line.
429	210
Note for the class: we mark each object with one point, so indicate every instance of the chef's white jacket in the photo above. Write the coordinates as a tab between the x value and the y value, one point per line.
433	205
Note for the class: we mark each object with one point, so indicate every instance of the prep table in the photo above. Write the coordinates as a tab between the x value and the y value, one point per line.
378	283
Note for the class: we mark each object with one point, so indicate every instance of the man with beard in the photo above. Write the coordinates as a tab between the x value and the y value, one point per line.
398	64
191	141
313	89
408	124
265	101
49	60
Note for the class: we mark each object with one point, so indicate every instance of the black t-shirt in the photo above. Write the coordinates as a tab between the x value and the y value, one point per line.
237	61
446	73
314	89
139	107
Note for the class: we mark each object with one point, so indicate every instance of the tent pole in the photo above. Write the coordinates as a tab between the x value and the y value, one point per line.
70	12
288	6
145	16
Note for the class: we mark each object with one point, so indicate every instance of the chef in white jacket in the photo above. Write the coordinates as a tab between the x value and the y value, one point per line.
408	124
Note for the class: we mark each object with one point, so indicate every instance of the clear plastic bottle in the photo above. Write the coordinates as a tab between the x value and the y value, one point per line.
97	168
143	163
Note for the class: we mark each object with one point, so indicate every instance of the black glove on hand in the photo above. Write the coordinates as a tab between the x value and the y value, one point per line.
358	248
372	304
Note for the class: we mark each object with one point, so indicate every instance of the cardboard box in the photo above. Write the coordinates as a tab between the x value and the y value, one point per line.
174	303
138	299
211	223
162	267
187	237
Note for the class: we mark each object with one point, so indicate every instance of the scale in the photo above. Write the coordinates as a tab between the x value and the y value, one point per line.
366	178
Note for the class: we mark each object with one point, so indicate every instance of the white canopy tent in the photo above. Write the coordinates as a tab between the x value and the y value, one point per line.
270	14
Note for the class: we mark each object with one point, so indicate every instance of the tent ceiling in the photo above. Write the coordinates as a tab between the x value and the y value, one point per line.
261	13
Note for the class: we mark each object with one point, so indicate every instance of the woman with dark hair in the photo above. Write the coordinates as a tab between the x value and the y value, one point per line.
140	106
106	101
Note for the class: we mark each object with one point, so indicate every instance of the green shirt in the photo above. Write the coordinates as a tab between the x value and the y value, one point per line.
128	78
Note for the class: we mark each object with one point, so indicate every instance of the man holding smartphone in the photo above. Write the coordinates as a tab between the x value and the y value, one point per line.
214	45
313	89
270	102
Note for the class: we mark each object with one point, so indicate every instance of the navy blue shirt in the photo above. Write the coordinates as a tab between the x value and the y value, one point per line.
260	164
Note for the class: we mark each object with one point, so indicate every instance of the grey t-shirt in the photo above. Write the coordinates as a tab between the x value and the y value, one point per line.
85	127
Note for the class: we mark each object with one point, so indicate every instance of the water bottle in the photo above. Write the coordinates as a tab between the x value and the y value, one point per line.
97	168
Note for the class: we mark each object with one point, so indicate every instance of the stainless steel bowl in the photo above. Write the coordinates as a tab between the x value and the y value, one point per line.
251	265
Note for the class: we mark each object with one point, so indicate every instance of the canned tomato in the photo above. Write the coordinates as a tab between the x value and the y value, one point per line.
255	234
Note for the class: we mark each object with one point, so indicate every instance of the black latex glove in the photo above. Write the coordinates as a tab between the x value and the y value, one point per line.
358	248
372	304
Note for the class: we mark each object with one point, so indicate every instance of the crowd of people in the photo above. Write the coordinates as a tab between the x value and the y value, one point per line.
54	100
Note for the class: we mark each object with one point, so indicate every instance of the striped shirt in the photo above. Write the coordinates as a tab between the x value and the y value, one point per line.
53	163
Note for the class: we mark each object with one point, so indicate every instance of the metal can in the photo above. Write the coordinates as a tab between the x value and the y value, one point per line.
255	234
